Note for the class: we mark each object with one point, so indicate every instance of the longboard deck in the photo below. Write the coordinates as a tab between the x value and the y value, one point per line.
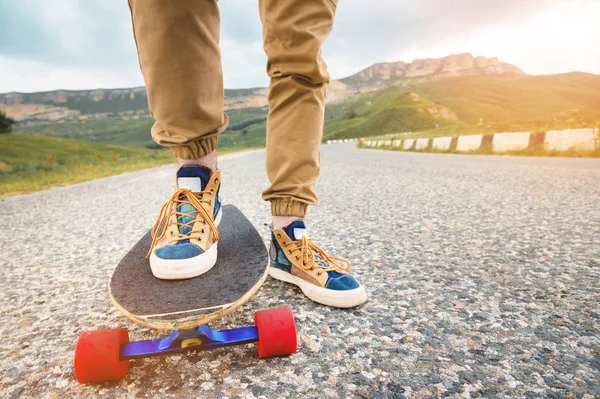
241	269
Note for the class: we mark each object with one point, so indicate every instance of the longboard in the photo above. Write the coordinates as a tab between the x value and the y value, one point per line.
186	306
241	269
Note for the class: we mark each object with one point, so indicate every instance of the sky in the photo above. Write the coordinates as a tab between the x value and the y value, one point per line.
88	44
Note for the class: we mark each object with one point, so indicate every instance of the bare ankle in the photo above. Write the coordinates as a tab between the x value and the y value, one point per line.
279	222
209	160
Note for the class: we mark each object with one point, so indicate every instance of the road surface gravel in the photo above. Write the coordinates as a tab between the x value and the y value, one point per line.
483	274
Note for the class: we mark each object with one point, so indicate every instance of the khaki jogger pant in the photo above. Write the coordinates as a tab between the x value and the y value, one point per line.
178	49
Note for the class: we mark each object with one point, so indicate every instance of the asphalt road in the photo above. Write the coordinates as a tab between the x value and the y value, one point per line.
483	274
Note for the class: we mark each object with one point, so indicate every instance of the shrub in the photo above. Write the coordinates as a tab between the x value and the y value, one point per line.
5	123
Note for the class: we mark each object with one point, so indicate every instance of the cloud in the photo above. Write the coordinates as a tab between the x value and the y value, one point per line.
88	43
397	28
67	32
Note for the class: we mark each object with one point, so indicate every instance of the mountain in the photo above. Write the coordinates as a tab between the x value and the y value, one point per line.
74	105
454	65
452	95
83	105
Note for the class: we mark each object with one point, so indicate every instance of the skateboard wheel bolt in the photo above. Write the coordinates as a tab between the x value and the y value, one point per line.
191	342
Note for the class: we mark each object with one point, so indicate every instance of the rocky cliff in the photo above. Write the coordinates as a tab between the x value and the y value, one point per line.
453	65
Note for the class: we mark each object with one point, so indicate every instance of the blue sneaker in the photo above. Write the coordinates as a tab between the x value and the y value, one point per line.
185	235
323	278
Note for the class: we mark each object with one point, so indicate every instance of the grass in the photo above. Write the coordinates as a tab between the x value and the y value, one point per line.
131	133
247	129
529	103
384	111
33	163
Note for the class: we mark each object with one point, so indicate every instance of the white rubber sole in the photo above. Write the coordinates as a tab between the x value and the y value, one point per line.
324	296
179	269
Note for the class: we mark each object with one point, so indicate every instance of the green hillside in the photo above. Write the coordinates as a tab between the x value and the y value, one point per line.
527	103
389	110
246	129
131	133
31	163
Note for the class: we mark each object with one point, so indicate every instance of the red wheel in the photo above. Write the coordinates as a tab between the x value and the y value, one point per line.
276	332
97	356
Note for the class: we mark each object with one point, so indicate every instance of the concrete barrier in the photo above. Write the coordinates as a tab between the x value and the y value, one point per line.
559	140
422	144
469	143
576	139
441	143
510	141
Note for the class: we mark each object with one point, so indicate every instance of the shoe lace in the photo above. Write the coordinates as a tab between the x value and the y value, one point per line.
313	256
179	198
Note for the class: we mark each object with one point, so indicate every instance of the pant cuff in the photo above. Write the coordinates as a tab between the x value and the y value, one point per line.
288	207
196	149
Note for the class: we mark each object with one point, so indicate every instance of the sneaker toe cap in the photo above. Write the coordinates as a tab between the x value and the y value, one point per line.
182	251
342	283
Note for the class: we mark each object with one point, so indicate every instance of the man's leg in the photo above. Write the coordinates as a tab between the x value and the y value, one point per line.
178	50
293	33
